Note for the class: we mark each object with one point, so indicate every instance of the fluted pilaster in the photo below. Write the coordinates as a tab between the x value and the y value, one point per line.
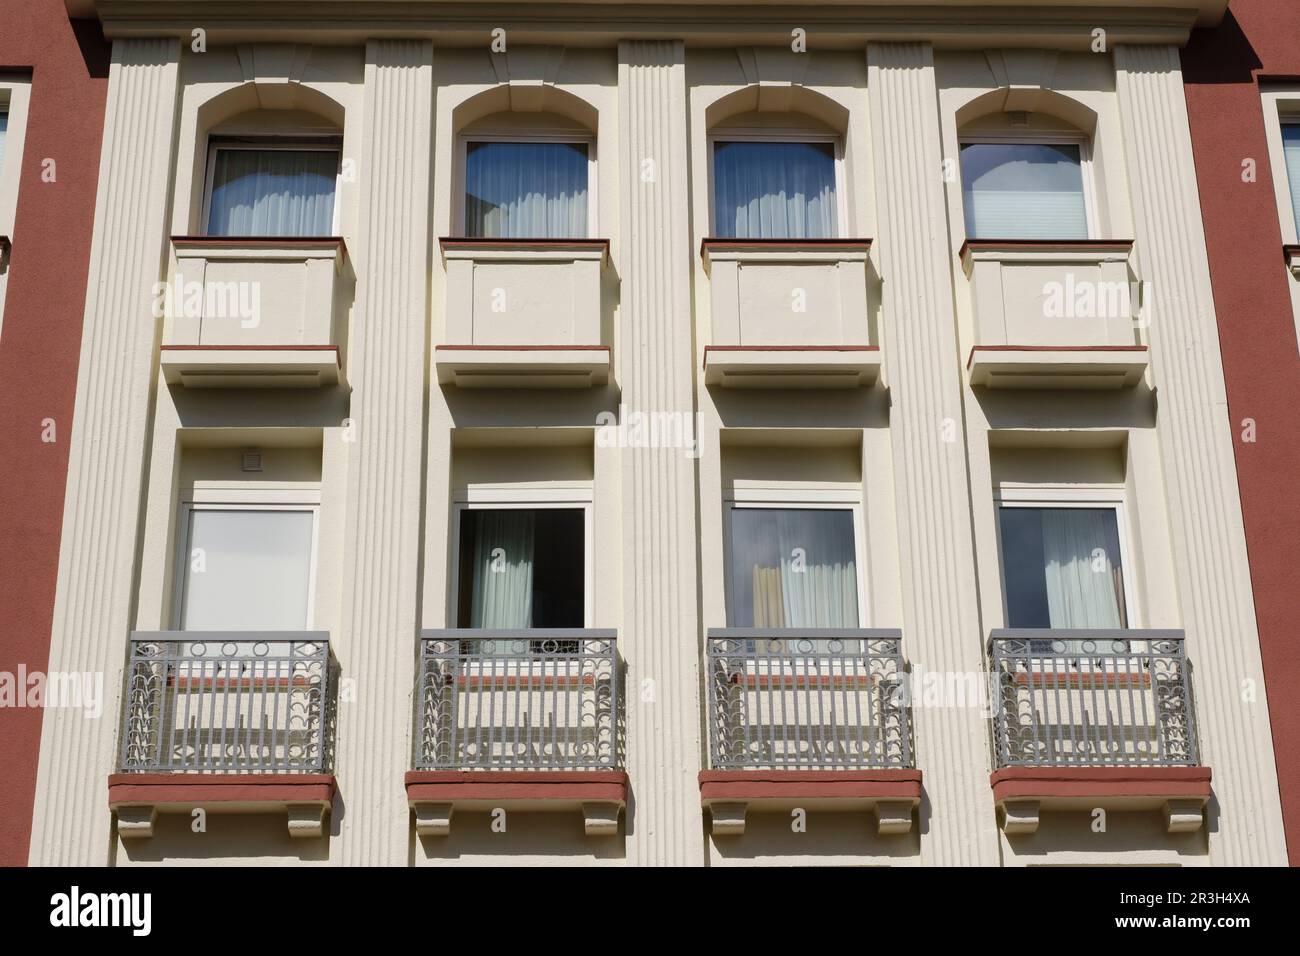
1195	435
377	646
109	448
941	626
661	638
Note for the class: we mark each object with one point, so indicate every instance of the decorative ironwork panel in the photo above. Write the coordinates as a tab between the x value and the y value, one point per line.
1092	699
227	703
815	699
518	700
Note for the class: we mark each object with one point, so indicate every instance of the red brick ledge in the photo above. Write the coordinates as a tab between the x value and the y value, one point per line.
137	798
434	795
891	794
890	784
1166	782
126	789
525	785
1020	792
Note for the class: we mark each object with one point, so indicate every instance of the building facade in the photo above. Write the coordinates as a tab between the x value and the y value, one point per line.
602	434
53	83
1243	102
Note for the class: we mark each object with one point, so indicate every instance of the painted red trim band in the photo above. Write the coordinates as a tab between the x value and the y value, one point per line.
713	242
448	786
1052	348
883	784
1047	245
523	348
1048	782
125	789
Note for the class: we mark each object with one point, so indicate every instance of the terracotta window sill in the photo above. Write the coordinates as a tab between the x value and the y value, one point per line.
138	798
1020	793
435	795
891	794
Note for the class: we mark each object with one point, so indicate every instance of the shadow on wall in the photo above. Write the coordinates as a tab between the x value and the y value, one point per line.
1220	55
830	838
556	837
239	838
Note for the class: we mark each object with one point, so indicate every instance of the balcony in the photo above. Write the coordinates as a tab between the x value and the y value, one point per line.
524	719
524	314
1054	315
791	313
228	721
1103	718
816	719
256	312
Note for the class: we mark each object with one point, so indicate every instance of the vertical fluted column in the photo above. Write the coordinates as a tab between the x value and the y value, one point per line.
1195	436
388	366
110	437
941	626
660	637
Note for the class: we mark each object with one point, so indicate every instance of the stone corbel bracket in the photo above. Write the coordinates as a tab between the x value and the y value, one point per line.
1023	75
275	70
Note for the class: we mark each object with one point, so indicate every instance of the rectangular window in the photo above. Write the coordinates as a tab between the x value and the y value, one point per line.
1023	191
774	190
246	568
1062	568
1291	153
526	190
793	567
4	128
272	191
522	568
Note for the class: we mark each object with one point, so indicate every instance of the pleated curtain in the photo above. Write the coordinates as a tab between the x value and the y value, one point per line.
774	190
1023	191
526	190
273	192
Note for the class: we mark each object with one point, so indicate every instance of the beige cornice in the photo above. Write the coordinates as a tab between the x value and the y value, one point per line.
847	24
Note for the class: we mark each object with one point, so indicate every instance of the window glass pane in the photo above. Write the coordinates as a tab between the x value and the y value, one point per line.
774	190
522	568
1061	568
4	130
247	570
793	567
1291	150
526	190
1023	191
273	192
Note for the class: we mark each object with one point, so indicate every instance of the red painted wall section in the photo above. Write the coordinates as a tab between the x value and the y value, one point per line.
1257	332
40	341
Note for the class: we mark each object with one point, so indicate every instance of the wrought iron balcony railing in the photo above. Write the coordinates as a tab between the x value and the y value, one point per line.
536	699
819	699
1099	698
228	702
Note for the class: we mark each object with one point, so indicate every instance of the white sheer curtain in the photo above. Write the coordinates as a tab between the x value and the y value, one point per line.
273	192
1081	567
1023	191
774	190
793	568
247	570
1291	150
503	570
526	190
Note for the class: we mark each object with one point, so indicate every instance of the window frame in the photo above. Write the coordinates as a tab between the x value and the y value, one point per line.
1037	138
524	499
796	499
499	135
1072	496
242	499
785	134
305	144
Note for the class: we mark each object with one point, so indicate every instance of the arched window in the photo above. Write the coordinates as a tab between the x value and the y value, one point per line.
267	179
1023	180
527	176
775	177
